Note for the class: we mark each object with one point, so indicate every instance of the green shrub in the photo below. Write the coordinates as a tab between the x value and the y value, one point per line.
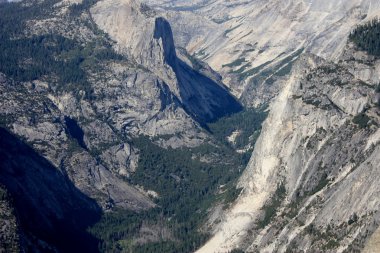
237	251
361	120
248	122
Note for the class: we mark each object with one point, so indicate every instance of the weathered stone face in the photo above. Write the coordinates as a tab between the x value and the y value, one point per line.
248	41
314	171
149	41
320	143
86	131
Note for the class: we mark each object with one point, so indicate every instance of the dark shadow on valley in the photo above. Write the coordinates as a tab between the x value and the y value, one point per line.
47	204
207	94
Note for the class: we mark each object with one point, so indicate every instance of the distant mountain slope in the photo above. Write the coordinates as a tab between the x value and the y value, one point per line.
253	43
83	102
98	114
311	184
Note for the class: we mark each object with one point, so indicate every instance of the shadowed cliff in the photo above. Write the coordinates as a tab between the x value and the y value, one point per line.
48	206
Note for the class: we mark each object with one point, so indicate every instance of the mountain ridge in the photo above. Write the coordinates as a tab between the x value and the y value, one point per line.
248	43
311	150
111	111
92	106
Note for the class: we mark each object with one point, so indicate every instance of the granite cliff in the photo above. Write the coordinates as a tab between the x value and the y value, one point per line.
311	184
114	124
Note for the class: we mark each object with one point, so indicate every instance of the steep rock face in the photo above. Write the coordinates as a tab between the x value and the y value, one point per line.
253	43
83	119
39	122
81	108
54	206
137	103
163	32
153	47
373	244
311	183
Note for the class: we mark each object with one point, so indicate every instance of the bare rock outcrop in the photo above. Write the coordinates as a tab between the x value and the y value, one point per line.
252	44
311	184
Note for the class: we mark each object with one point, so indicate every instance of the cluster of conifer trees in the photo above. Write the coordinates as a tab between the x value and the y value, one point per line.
186	188
50	56
367	37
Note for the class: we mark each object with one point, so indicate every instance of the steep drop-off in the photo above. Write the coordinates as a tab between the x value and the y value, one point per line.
100	120
311	183
148	39
52	214
253	44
